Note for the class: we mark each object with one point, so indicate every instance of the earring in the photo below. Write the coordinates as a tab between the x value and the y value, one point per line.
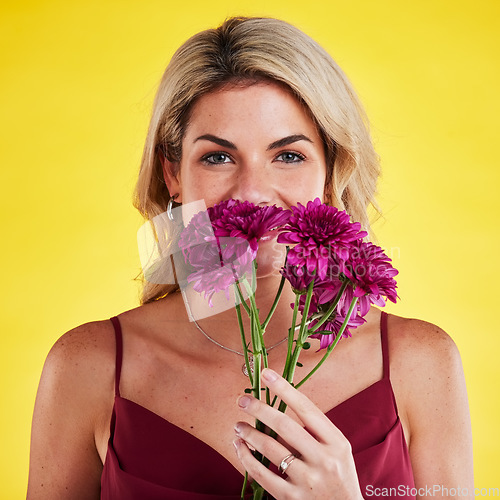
169	206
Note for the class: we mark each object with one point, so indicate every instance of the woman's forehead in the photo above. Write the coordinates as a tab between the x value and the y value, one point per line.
270	106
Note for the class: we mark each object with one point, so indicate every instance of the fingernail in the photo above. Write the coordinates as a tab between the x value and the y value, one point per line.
244	401
269	375
237	428
237	443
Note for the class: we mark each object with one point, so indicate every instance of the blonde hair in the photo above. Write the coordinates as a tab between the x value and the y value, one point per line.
249	50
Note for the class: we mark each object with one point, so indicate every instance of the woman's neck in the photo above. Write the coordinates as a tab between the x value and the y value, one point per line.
220	320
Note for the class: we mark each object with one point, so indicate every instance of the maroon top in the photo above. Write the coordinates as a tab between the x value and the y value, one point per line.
149	458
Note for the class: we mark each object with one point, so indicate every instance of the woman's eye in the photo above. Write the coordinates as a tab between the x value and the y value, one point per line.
289	157
216	158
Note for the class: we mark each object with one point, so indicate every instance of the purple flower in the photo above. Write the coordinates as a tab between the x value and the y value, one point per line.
334	325
316	231
321	300
218	275
370	271
197	232
298	278
245	220
323	294
371	281
222	242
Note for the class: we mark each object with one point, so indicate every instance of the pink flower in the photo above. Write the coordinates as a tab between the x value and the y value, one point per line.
370	278
222	246
218	275
298	278
372	281
323	294
317	231
245	220
370	271
334	325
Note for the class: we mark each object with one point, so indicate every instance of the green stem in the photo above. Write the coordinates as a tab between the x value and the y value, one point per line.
331	346
244	342
332	307
259	354
275	304
254	311
299	343
241	297
291	336
244	487
258	493
302	336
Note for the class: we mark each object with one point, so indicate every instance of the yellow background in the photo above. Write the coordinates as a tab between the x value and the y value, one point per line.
77	81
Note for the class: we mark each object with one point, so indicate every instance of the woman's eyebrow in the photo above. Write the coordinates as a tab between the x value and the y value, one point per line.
217	140
280	143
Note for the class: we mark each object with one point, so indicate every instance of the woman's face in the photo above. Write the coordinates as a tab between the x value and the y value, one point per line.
253	143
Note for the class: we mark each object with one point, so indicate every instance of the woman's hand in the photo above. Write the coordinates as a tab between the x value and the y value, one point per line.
324	465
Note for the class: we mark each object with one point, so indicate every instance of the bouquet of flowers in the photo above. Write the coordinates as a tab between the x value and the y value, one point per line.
335	275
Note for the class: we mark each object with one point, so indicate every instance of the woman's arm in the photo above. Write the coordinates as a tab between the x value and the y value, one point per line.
429	383
73	395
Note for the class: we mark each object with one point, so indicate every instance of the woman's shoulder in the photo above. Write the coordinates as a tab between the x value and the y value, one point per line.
426	371
419	344
79	368
86	355
84	346
92	346
429	385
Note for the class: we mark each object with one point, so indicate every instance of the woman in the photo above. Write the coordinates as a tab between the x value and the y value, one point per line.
254	110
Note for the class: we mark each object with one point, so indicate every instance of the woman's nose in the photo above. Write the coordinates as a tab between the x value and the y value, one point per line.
253	184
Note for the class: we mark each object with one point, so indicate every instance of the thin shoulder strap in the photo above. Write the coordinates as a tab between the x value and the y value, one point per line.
119	353
385	344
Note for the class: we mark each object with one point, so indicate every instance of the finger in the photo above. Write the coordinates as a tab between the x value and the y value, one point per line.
314	420
288	429
273	484
263	443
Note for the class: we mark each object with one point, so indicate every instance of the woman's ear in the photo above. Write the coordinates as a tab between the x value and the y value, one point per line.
172	177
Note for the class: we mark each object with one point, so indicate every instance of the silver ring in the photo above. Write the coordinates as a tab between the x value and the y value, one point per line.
285	463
